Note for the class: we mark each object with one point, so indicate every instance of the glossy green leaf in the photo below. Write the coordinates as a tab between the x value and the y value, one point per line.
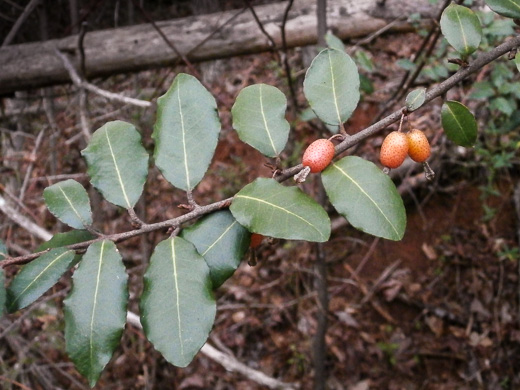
331	86
274	210
36	277
366	197
68	238
177	306
517	60
95	310
507	8
117	163
415	99
68	201
458	123
222	241
461	28
334	42
259	118
185	132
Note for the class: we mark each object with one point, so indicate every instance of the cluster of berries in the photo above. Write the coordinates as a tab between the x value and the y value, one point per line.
397	145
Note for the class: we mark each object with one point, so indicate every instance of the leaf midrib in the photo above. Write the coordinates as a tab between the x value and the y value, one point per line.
281	208
177	294
72	206
37	278
119	178
334	88
266	126
368	197
218	239
183	133
468	141
94	306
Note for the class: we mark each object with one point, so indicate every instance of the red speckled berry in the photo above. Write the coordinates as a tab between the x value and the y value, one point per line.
256	240
394	149
418	146
318	155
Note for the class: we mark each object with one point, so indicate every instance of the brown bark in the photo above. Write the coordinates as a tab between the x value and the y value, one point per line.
140	47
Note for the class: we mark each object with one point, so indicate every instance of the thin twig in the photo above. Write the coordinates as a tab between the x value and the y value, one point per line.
319	345
228	362
24	222
78	82
272	43
185	59
406	80
349	142
21	19
33	158
286	64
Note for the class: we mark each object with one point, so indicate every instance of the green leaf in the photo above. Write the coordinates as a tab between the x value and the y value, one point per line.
117	163
222	241
67	238
517	60
177	306
507	8
269	208
334	42
482	90
36	277
259	118
364	59
503	105
366	197
331	86
68	201
95	310
185	132
458	123
406	64
461	28
415	99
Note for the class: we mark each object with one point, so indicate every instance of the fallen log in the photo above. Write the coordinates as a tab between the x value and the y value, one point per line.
139	47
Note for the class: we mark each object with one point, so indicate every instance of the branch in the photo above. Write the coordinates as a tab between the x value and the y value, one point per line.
19	219
80	83
227	361
14	30
350	141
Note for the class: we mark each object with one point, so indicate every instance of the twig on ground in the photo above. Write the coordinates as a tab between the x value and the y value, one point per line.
286	64
228	362
166	40
24	222
21	19
272	43
33	158
78	82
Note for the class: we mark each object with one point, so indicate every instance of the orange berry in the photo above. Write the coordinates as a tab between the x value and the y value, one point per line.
318	155
394	149
418	146
256	240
